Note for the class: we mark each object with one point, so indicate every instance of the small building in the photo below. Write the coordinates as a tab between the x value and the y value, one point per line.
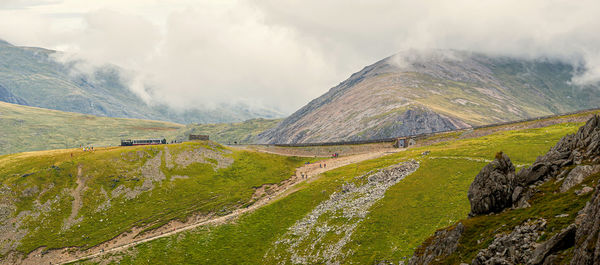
404	142
198	137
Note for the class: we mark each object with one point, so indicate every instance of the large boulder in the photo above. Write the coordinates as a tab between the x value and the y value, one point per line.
493	187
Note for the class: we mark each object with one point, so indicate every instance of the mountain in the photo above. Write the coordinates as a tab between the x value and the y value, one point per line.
33	77
420	92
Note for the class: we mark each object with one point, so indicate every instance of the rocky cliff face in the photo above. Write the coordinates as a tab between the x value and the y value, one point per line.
573	160
419	92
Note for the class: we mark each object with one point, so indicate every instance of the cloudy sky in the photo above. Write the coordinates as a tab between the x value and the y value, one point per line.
283	53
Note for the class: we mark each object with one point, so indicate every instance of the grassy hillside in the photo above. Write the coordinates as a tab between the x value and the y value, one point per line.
241	132
30	129
64	198
432	197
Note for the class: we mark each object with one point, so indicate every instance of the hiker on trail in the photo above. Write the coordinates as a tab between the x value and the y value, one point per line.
321	165
324	165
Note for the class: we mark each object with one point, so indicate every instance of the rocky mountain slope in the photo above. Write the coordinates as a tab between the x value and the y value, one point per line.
547	213
420	92
33	77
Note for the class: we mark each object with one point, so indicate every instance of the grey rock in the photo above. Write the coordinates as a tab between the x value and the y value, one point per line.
578	175
444	242
573	148
584	190
514	248
587	249
492	190
563	240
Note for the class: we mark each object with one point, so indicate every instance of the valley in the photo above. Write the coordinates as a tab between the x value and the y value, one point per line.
457	156
299	132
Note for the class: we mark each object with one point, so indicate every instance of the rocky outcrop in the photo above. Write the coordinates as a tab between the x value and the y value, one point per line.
577	175
442	244
514	248
587	239
571	149
496	188
563	240
493	187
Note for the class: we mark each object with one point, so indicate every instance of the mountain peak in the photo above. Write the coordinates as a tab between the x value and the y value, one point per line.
418	91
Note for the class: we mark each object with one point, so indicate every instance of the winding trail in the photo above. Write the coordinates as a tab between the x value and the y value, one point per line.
310	171
474	159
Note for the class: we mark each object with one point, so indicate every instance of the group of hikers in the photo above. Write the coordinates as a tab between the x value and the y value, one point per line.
304	175
88	148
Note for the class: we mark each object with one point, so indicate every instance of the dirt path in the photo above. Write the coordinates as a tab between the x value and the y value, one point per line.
309	171
77	200
474	159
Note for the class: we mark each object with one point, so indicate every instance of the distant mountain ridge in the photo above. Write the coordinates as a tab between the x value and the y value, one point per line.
30	76
420	92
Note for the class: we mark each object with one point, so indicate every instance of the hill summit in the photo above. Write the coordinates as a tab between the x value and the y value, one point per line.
419	92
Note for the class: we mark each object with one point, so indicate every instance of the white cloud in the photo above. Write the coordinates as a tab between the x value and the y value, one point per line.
284	53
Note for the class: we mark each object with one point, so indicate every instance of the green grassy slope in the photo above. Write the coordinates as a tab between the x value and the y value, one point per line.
66	198
226	133
29	129
432	197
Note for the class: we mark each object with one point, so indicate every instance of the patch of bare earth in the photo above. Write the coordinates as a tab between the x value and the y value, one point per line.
150	172
77	195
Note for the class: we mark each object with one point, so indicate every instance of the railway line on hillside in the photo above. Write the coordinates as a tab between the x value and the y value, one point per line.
426	135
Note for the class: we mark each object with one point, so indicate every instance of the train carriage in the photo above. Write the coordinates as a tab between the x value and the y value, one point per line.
143	142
